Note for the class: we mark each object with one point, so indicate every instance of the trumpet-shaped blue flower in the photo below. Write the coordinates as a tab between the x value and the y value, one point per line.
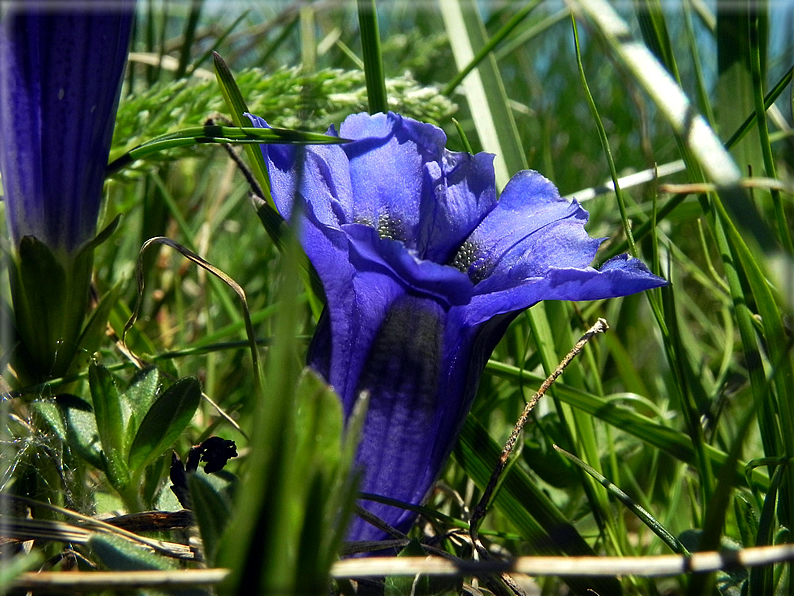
61	67
423	269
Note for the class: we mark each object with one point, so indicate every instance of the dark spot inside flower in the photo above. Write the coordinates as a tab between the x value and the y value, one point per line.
465	259
390	228
402	369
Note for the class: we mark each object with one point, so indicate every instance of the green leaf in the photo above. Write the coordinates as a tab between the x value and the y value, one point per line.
139	396
112	416
94	331
746	520
164	422
51	415
50	294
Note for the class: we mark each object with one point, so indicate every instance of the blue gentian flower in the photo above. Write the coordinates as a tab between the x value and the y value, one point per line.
61	67
423	270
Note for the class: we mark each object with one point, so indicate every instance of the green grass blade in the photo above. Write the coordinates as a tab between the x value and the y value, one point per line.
756	54
216	44
654	31
690	128
202	135
643	229
762	578
664	91
734	94
237	108
645	517
777	344
671	441
167	418
692	42
189	35
373	60
602	135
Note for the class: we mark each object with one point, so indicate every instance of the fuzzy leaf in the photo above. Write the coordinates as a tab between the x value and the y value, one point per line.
112	417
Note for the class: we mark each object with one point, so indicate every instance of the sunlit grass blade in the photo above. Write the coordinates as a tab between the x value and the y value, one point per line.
692	130
643	229
655	33
484	89
660	86
704	102
491	45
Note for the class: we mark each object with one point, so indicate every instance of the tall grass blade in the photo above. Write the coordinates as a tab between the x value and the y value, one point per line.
602	135
671	441
491	45
689	127
484	89
237	109
735	80
643	515
189	35
373	60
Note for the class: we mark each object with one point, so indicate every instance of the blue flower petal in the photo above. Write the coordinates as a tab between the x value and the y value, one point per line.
402	374
459	190
60	76
423	270
372	253
397	149
530	230
620	276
